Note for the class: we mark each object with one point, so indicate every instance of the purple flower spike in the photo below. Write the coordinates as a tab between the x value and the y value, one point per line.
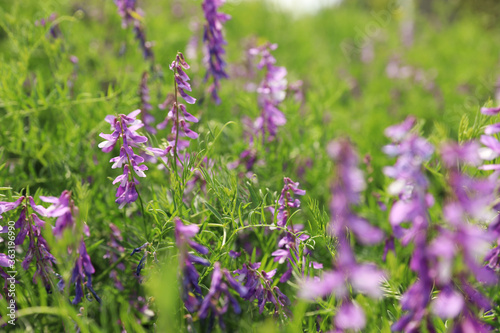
129	14
124	127
214	41
258	286
272	91
286	201
346	191
347	273
191	291
178	115
220	291
83	270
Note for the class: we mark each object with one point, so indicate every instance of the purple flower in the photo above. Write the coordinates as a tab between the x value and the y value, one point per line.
82	271
125	10
191	291
145	46
55	31
272	91
214	41
30	226
178	115
350	316
286	201
347	273
346	192
259	286
6	206
410	183
64	209
492	146
124	128
129	13
218	298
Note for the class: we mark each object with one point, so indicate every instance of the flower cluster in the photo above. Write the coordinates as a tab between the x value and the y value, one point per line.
413	201
191	291
214	40
30	226
124	129
285	201
55	31
64	209
216	301
129	13
434	260
363	278
178	114
272	91
289	244
259	286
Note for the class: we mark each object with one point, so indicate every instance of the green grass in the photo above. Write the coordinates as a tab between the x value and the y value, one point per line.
49	137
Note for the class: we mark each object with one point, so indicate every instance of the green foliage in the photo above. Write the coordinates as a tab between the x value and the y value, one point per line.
52	112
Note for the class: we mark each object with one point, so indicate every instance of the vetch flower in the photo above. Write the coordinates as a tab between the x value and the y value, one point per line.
124	129
191	290
285	201
259	286
347	272
214	42
178	115
129	14
272	91
218	298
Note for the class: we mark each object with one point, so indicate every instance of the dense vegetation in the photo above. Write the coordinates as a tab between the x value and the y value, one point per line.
332	173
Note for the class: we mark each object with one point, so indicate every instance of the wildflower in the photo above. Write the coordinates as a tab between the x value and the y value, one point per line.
214	41
30	226
7	206
129	13
126	8
285	201
219	296
191	291
259	286
64	209
363	278
55	31
272	91
178	114
124	128
145	46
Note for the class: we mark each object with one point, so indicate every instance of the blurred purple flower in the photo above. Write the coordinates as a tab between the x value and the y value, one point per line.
272	91
218	298
347	273
259	286
191	291
214	41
